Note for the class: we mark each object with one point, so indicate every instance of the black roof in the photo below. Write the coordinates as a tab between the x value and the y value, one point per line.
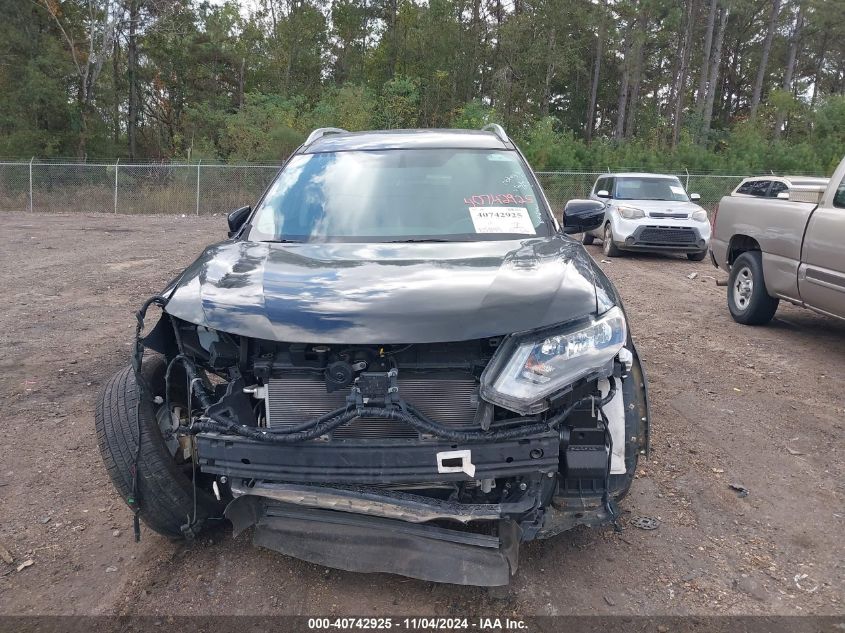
407	139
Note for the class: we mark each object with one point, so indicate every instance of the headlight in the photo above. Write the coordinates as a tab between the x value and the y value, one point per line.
631	213
527	369
700	215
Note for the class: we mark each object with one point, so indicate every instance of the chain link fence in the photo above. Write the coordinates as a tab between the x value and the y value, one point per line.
131	188
206	188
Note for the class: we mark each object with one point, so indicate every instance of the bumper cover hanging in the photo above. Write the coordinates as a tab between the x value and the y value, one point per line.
361	543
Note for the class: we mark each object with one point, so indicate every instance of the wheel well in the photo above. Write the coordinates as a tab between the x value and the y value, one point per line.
740	244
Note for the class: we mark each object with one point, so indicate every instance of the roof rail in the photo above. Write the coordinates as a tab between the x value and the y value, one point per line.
498	130
321	132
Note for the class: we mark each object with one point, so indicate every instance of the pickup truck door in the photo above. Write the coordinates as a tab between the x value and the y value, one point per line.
821	276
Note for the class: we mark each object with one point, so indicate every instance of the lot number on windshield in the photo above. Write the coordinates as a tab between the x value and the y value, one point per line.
502	220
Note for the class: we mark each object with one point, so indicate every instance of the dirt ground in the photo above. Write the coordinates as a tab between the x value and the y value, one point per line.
760	407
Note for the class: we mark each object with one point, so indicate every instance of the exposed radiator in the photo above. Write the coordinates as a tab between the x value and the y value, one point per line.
450	400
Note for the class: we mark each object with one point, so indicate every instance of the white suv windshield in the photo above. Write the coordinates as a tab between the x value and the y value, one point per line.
401	195
639	188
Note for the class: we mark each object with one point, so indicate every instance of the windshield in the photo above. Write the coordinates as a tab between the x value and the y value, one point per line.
401	195
644	188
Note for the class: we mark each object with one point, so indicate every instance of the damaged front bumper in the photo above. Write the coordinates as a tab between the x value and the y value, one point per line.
366	524
433	507
370	523
369	506
368	530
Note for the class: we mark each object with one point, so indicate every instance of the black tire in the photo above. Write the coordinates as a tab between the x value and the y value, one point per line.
607	245
587	239
749	304
165	489
697	257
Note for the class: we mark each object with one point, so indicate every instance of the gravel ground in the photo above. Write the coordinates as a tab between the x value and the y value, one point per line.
760	407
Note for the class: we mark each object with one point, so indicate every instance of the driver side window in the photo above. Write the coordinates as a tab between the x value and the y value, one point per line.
601	183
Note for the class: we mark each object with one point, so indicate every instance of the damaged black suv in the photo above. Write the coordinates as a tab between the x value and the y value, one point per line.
396	362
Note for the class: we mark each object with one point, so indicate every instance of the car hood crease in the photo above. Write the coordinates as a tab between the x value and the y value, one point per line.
386	293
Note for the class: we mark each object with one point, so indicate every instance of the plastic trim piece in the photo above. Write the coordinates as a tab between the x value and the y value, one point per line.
370	544
379	502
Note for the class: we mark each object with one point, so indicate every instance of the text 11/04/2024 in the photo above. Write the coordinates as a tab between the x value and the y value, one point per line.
418	624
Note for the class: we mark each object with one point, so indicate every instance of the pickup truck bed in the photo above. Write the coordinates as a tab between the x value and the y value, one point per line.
797	249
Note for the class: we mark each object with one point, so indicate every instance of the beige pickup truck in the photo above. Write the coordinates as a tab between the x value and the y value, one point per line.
782	238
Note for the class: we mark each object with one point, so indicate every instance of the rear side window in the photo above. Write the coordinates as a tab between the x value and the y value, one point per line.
777	187
755	187
839	198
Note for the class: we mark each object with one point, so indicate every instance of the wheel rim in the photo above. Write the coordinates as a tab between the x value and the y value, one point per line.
608	239
743	287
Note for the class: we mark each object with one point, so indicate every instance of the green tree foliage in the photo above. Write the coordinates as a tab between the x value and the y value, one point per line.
264	129
580	84
399	104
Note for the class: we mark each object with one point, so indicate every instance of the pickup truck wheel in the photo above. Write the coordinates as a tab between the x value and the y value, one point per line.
607	245
748	301
697	257
165	486
587	239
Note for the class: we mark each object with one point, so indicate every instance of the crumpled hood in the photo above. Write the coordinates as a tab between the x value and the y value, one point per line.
388	293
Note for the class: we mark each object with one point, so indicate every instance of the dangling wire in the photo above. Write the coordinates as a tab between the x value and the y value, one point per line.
144	392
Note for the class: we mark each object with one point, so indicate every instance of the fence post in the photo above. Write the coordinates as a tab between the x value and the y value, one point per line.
116	167
198	185
30	183
686	186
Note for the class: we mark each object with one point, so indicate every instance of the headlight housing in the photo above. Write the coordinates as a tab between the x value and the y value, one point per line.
700	215
631	213
530	367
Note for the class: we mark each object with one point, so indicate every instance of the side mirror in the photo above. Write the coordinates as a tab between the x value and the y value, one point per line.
602	193
695	197
582	215
236	219
783	195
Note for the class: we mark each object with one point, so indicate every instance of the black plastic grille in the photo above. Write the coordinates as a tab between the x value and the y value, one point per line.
667	235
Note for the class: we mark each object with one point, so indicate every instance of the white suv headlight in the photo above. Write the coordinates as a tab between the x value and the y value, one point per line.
700	215
528	368
631	213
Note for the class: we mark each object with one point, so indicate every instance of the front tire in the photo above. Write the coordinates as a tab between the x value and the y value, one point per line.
607	245
587	239
165	488
697	257
748	301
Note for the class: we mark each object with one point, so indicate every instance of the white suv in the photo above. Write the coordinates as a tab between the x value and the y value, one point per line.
649	212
